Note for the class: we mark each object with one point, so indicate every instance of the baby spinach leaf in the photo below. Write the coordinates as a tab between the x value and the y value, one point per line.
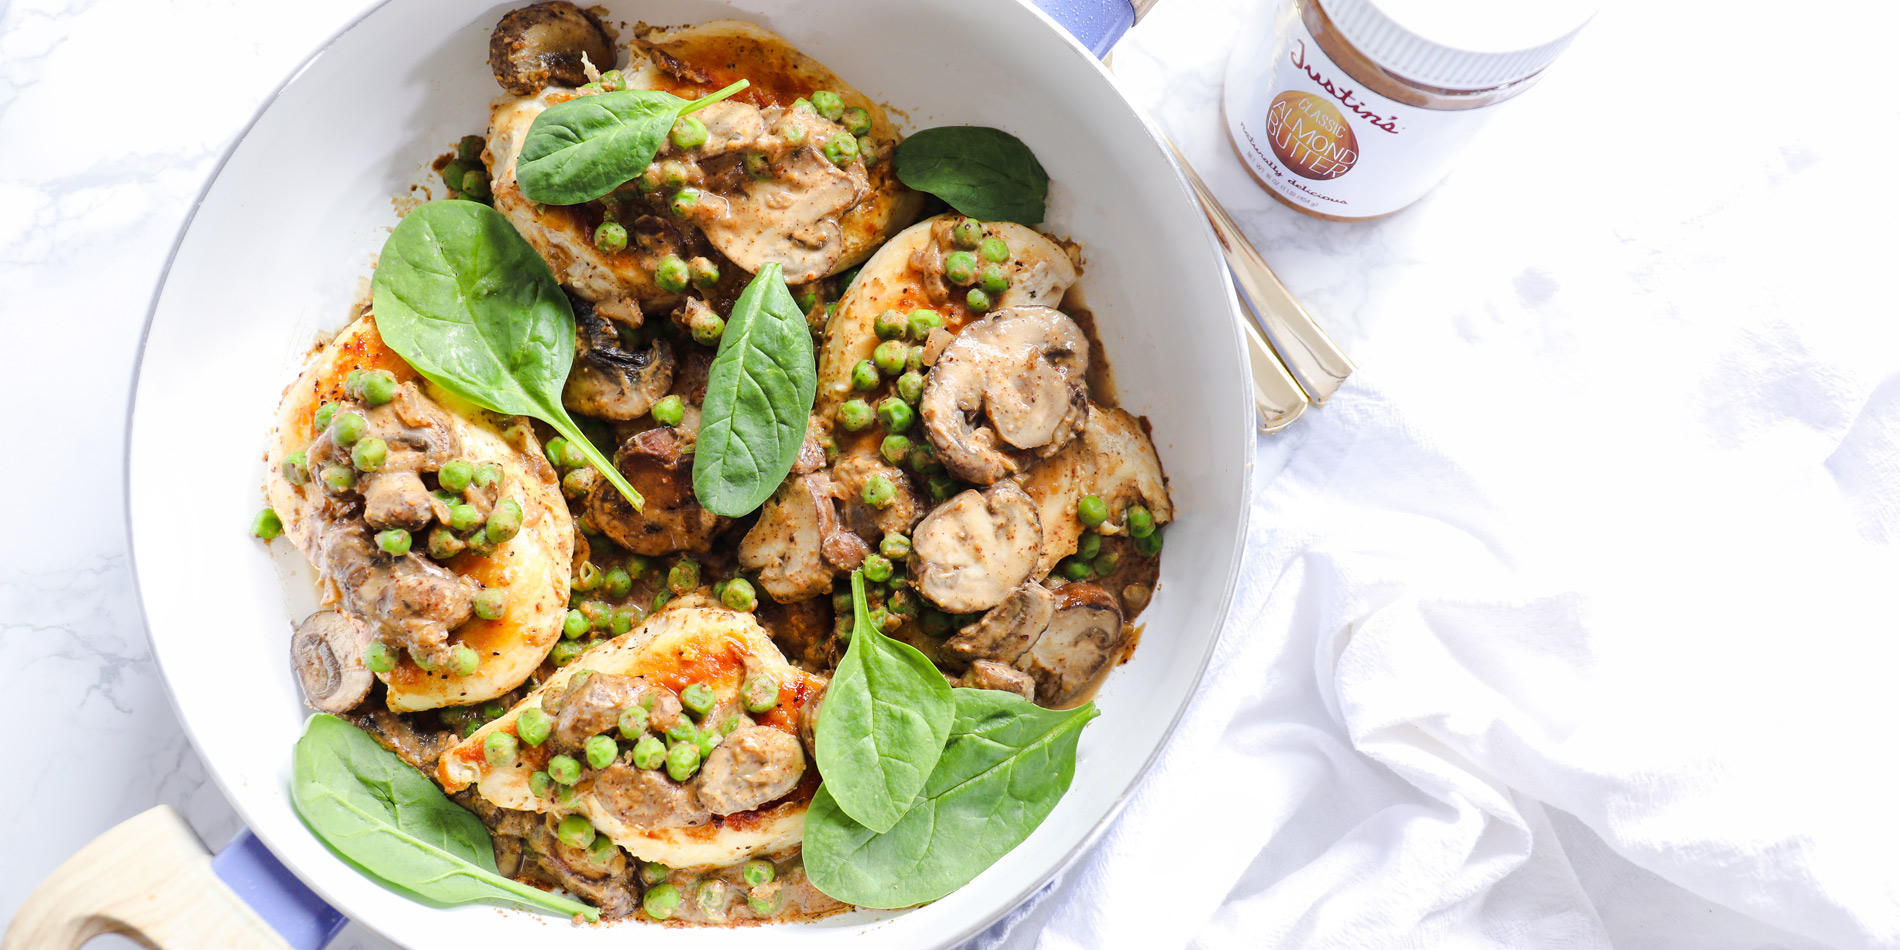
759	394
985	173
1007	763
583	148
389	819
473	307
882	726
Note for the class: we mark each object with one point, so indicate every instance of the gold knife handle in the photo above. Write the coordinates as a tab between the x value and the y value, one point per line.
1319	362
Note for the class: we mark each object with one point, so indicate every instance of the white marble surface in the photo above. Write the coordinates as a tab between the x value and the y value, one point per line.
1635	150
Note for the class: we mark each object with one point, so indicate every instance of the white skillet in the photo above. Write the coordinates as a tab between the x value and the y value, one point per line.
288	229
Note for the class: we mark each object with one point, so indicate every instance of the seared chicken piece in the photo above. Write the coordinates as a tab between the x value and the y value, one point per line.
1114	459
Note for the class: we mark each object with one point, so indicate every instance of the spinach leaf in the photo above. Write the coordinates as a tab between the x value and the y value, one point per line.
759	394
389	819
473	307
985	173
882	726
583	148
1006	765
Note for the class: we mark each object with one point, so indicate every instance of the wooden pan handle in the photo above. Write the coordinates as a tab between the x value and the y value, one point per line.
148	878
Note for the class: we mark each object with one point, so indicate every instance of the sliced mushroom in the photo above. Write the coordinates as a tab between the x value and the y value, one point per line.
543	45
752	766
656	463
1084	640
975	548
609	382
327	653
1008	629
1009	387
787	545
989	674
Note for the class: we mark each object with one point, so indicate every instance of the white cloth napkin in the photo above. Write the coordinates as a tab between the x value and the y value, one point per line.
1568	624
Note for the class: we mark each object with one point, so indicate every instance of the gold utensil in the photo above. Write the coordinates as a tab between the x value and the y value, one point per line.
1291	333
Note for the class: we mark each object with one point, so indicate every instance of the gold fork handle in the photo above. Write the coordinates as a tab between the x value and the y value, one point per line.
1305	348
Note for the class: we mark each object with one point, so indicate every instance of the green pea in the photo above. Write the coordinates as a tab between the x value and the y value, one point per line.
977	300
1105	563
475	185
867	150
889	357
577	482
636	566
707	327
1088	547
623	619
1140	521
587	579
877	568
864	376
879	492
684	201
610	237
967	233
1092	510
959	267
895	448
616	583
601	751
296	468
486	474
706	740
857	121
923	457
682	760
454	173
325	413
464	517
592	89
704	273
936	622
856	414
765	904
910	388
1074	568
828	104
791	131
661	901
895	413
469	149
760	694
602	850
378	658
499	748
348	427
914	361
711	898
633	722
541	785
683	576
739	595
894	546
378	387
564	769
670	411
841	149
698	699
464	661
533	725
884	620
649	753
455	475
994	249
566	651
394	542
575	625
890	325
662	598
672	274
422	663
598	614
613	80
922	321
689	132
652	873
994	279
758	166
672	174
369	454
575	831
1150	545
267	525
942	486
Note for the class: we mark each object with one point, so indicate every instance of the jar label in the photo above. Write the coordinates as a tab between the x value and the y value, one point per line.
1323	141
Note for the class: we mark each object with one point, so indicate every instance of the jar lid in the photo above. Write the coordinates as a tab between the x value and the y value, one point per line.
1460	44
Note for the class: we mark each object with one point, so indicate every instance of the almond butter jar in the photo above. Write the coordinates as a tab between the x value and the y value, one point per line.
1353	109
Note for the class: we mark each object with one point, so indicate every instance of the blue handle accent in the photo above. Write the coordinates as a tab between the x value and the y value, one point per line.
293	910
1096	23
